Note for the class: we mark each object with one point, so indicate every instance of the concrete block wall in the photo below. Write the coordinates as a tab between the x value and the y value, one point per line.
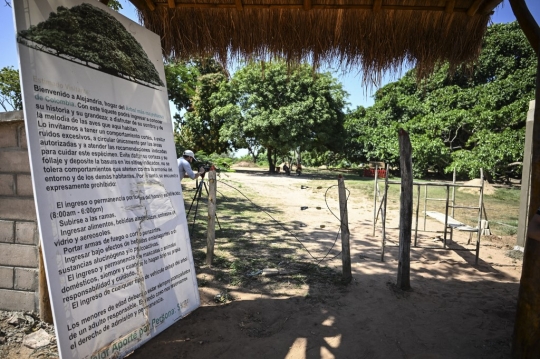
18	227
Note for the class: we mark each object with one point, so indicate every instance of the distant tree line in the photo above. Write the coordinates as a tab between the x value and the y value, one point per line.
470	119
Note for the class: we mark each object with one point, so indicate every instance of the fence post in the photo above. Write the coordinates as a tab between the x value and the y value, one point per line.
405	211
345	247
211	231
45	311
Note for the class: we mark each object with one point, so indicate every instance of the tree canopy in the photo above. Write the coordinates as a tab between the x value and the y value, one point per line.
471	119
10	89
281	109
190	85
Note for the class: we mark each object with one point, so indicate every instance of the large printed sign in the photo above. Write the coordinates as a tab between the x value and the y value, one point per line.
109	201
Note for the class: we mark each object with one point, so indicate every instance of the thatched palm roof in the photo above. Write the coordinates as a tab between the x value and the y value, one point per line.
370	35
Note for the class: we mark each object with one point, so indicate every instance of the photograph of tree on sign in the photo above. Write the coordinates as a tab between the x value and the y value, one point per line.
92	36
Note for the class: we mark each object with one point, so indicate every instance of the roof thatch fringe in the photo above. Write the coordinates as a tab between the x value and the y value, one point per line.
372	42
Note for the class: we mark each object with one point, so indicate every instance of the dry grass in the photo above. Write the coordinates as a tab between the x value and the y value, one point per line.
359	39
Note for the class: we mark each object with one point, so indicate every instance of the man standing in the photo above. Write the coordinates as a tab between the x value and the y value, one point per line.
184	166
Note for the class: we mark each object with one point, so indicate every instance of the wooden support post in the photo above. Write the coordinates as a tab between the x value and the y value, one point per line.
383	213
211	231
524	197
446	217
45	311
450	4
417	212
375	199
527	326
345	247
405	212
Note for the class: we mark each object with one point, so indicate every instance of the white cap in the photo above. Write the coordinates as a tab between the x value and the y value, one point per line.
190	154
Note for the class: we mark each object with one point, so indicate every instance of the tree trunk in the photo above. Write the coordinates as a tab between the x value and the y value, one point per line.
269	157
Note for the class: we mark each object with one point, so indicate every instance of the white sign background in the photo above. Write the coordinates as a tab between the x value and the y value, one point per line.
110	208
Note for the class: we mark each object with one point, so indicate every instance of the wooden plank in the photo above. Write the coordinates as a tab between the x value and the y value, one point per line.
405	211
377	5
151	5
524	196
211	230
239	5
345	234
440	217
450	4
307	5
474	7
172	4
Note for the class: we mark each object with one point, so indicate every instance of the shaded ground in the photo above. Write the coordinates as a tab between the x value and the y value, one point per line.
455	309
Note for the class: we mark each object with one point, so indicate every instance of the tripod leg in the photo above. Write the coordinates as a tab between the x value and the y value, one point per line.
197	190
194	218
217	219
196	197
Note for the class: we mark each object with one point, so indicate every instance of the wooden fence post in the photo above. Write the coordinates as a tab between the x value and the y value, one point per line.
211	231
45	310
345	247
527	326
405	212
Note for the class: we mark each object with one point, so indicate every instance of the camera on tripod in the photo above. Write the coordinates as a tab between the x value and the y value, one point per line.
206	165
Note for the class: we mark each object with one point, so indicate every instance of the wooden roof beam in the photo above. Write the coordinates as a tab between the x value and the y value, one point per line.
172	4
314	7
139	4
528	25
307	5
488	7
377	5
150	5
450	4
474	7
239	5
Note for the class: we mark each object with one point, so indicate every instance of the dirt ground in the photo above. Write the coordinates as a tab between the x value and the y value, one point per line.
455	309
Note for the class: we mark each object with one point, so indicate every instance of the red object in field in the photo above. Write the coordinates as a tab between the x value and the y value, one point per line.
370	172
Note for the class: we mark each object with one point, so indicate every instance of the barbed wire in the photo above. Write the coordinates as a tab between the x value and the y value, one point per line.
318	260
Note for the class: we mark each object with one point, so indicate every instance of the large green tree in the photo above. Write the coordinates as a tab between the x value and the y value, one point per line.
10	89
468	120
281	109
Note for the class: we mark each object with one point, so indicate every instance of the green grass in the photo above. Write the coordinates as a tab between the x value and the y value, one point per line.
501	208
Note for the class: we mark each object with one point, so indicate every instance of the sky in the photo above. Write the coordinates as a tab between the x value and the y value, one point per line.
352	82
